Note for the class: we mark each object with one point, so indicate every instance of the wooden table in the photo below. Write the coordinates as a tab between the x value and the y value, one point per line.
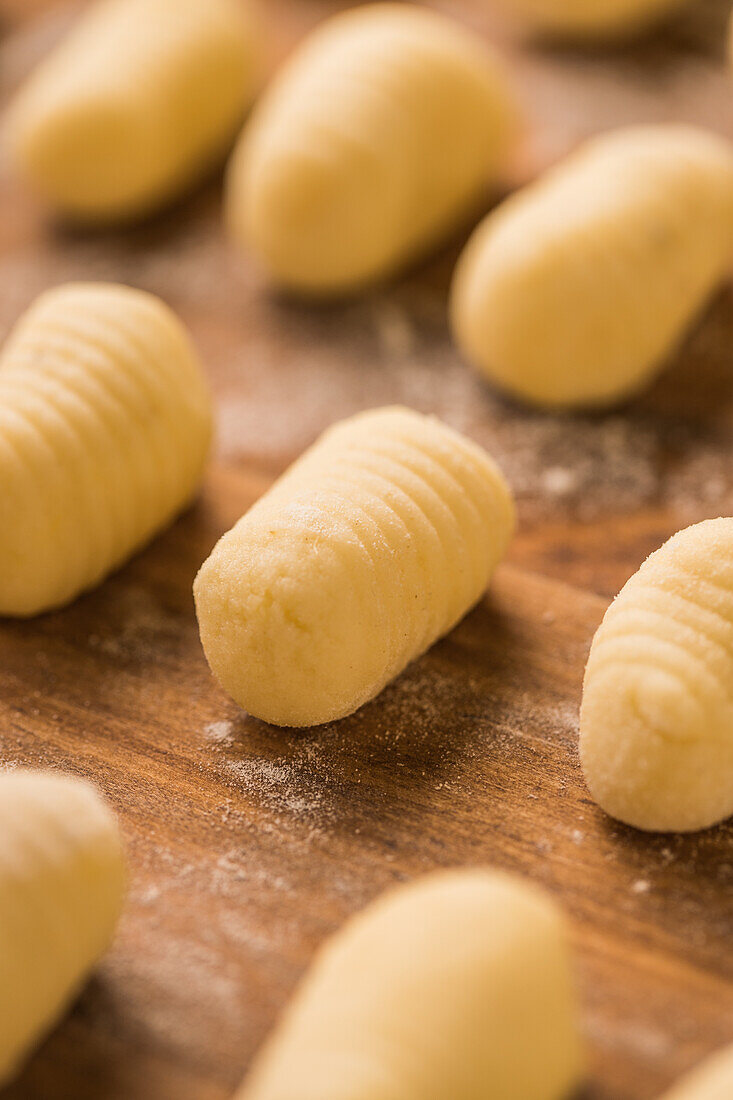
249	844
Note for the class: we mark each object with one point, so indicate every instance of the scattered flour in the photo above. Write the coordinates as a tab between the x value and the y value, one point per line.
220	733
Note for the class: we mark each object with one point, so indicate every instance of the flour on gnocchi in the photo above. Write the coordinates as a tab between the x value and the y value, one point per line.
373	545
657	713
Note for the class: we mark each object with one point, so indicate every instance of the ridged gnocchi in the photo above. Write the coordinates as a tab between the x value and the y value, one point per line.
589	18
375	543
105	423
455	986
713	1080
574	291
62	883
135	103
657	711
376	137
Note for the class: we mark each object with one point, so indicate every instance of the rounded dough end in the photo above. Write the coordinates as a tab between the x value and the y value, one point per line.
456	985
657	710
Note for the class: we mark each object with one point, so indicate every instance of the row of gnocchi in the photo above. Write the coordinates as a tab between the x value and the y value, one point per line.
373	545
375	139
457	985
387	531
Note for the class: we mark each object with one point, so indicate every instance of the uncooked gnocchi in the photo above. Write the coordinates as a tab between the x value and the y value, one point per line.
657	711
134	104
455	986
373	545
105	422
713	1080
62	883
574	291
379	134
588	18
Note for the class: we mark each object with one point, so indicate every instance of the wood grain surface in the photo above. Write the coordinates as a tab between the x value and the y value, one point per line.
249	844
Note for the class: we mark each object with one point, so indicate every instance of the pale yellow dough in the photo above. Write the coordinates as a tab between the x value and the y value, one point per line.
105	422
713	1080
134	104
62	882
373	545
574	291
656	722
588	18
456	986
377	136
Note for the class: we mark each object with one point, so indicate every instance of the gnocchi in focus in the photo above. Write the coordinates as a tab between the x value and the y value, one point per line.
62	883
589	18
455	986
375	543
135	104
575	291
657	711
105	423
376	137
713	1080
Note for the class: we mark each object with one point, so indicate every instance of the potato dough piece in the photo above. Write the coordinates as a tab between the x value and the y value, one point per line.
589	18
373	545
455	986
134	104
656	723
105	423
574	291
713	1080
61	891
372	142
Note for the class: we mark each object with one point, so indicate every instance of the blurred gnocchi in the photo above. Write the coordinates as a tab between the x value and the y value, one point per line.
588	18
657	710
62	883
105	423
574	291
457	985
713	1080
378	135
134	104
